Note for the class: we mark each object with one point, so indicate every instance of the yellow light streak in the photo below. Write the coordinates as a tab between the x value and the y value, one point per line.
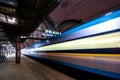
104	41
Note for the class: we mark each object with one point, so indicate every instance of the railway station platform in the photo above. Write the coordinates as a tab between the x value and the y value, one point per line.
28	69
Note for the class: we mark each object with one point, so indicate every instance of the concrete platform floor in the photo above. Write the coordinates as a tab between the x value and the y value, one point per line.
29	69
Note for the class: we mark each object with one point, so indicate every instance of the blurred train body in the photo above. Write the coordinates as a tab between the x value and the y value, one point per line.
93	46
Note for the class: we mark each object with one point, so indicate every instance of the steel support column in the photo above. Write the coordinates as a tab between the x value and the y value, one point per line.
18	53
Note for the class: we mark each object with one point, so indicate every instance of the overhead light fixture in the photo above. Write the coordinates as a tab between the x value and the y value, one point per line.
1	29
2	17
12	20
4	45
23	36
8	19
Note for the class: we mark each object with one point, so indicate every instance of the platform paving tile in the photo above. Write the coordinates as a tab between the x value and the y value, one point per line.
29	69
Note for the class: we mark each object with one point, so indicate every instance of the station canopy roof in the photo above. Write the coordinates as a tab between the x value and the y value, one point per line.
22	17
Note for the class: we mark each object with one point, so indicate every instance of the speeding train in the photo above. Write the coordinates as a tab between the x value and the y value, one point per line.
93	46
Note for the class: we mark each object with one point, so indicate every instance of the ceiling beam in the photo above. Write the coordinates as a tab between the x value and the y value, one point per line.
36	38
7	13
7	5
4	39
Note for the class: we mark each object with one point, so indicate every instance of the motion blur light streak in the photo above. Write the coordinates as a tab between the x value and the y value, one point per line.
104	41
103	21
100	57
92	47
